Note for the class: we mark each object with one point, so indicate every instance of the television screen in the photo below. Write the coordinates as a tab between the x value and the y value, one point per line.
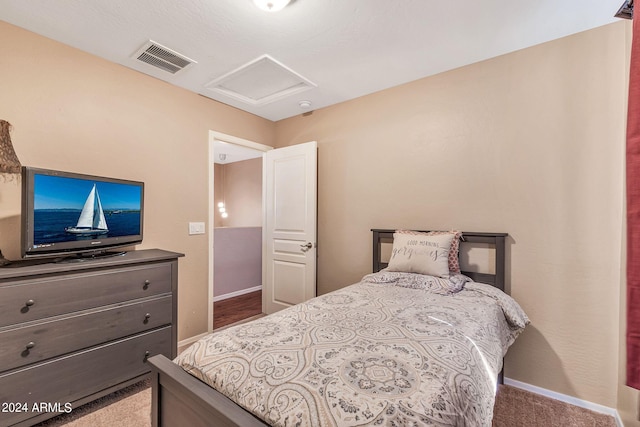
67	212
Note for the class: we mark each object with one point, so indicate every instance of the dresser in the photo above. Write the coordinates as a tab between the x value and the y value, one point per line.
73	331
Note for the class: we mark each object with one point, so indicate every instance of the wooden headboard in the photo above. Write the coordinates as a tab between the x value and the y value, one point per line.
497	240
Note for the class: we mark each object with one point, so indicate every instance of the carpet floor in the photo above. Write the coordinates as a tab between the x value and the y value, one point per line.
131	407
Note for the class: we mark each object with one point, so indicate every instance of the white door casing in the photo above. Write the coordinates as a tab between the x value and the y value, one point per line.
290	207
213	137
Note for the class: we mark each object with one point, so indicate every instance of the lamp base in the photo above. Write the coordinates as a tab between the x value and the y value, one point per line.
3	260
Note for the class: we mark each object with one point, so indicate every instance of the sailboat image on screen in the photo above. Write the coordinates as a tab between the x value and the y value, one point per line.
91	221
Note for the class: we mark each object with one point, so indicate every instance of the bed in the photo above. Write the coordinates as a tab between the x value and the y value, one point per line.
397	348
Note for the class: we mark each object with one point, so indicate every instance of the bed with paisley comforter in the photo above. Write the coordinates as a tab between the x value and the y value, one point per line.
396	349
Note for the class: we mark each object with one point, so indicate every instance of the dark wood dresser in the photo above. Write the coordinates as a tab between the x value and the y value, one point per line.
71	332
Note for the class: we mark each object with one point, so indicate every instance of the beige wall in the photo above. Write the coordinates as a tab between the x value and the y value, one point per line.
73	111
239	185
530	143
218	193
628	398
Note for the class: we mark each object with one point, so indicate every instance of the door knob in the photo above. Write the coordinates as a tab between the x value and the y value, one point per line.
306	246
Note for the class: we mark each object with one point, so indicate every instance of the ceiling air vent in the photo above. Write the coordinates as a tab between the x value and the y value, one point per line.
162	57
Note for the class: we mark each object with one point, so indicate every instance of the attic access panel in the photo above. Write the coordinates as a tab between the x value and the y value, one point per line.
260	82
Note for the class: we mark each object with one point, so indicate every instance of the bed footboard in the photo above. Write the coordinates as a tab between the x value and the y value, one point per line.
179	399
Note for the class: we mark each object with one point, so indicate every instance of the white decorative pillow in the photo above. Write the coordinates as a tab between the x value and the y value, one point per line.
454	263
421	253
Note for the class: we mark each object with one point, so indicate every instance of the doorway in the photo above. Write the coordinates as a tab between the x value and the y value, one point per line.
235	220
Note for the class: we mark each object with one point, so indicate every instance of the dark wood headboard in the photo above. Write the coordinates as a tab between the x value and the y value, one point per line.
497	240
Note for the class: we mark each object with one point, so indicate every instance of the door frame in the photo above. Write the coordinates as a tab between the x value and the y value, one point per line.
213	137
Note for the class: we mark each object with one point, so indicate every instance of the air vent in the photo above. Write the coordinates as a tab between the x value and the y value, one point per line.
260	82
162	57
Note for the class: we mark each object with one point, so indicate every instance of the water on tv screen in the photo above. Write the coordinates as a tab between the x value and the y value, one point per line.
68	209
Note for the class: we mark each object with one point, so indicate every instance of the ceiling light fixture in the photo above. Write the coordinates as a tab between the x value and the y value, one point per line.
271	5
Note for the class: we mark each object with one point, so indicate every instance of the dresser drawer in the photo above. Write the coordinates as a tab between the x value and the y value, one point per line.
26	300
36	341
72	377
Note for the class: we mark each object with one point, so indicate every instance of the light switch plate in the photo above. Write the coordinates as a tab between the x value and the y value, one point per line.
196	228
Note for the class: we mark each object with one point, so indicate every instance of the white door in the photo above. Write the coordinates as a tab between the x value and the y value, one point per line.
290	193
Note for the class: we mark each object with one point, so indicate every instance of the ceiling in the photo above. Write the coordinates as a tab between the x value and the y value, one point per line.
320	51
225	152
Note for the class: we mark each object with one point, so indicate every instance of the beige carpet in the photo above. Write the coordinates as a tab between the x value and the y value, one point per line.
519	408
131	407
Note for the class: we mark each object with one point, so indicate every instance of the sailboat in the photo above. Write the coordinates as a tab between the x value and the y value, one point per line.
91	221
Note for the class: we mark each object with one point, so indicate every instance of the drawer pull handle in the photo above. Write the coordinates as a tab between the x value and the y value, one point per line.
29	303
147	317
146	356
30	345
146	284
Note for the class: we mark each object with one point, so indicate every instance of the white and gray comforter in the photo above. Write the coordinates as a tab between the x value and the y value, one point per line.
396	349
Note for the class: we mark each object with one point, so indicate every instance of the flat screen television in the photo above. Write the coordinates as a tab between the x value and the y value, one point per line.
65	213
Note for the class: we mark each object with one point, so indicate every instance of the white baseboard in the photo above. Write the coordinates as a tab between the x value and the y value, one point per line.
189	341
567	399
237	293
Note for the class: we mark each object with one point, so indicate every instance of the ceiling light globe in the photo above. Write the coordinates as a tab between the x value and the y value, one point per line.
271	5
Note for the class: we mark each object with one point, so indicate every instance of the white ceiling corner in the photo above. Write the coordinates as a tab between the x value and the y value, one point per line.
347	48
225	152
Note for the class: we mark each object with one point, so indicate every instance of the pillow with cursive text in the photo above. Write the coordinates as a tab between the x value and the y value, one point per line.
420	253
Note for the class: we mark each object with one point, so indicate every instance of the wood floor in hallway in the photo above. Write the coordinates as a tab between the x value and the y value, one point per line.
235	309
